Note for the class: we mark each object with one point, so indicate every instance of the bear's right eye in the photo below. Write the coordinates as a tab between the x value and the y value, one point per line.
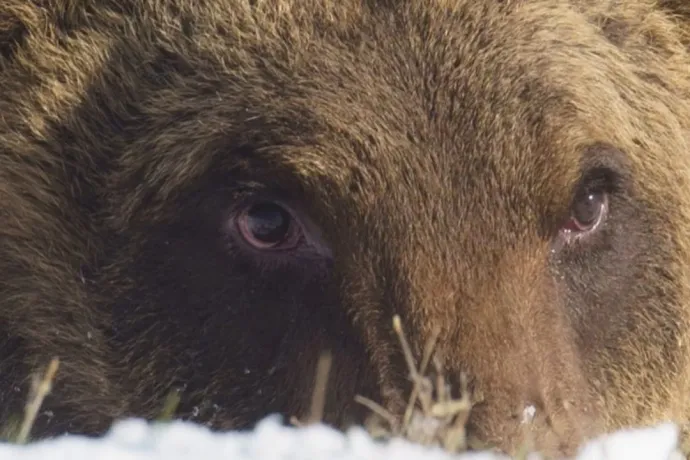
268	226
588	211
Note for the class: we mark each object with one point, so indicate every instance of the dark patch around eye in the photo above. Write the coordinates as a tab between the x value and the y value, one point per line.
605	167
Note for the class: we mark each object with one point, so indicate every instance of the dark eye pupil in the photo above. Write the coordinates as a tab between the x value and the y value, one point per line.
268	222
587	208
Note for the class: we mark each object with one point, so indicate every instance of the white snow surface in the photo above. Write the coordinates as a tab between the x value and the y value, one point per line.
136	439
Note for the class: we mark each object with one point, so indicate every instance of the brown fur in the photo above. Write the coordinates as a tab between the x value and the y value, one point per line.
436	145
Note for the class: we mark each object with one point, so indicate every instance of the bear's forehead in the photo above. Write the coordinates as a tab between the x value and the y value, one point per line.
390	104
415	105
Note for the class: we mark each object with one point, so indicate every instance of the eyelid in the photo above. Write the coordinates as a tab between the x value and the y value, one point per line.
311	231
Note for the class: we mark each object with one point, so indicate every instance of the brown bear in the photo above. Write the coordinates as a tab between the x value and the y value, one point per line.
202	196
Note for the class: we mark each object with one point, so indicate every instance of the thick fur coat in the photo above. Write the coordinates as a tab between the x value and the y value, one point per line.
434	159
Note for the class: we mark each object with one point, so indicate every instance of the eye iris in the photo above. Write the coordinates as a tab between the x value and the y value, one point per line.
268	223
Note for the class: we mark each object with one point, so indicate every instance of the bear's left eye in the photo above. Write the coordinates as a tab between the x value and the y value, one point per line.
587	213
268	226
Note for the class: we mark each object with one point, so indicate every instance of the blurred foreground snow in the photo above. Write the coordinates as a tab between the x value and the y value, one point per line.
135	439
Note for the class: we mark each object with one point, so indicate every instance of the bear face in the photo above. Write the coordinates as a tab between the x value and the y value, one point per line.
203	196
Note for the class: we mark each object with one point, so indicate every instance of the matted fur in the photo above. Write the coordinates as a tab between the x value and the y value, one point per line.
436	146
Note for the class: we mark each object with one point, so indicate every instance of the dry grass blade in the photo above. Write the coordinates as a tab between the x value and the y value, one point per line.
431	417
40	387
417	379
170	405
378	410
407	351
318	396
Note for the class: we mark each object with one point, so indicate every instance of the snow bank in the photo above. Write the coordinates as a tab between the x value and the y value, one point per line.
137	440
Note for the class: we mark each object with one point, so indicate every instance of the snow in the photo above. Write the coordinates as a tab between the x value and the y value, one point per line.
271	440
528	414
